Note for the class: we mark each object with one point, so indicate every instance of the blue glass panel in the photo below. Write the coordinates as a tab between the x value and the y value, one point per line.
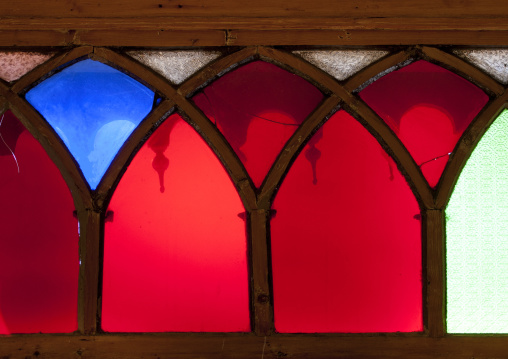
93	108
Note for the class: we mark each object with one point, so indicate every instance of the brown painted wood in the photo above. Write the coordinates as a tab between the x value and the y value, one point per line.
348	37
90	230
158	37
56	61
129	148
217	67
224	37
261	8
296	64
463	68
465	147
395	148
376	68
197	119
224	152
434	287
331	21
250	346
292	147
261	296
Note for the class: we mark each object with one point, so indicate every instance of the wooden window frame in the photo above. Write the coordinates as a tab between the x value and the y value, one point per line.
263	342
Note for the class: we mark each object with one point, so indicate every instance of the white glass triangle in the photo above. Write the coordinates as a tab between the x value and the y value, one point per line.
176	66
341	64
13	65
492	61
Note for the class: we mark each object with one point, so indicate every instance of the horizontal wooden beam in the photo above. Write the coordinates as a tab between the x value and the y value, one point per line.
259	8
209	22
214	37
250	346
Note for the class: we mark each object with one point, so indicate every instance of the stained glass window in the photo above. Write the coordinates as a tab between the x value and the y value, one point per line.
39	238
258	107
428	107
477	238
175	252
93	108
346	238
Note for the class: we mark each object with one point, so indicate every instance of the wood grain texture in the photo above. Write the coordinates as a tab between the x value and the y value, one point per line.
261	296
293	146
466	145
463	68
433	233
180	346
395	148
260	8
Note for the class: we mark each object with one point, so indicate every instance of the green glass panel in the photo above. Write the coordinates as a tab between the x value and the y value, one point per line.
477	238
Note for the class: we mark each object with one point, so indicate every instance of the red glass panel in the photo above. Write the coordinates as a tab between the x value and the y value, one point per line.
39	261
346	239
257	107
429	108
175	246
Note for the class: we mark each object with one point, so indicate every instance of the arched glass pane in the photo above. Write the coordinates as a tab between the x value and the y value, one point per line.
93	108
175	246
428	108
346	239
477	238
39	261
257	108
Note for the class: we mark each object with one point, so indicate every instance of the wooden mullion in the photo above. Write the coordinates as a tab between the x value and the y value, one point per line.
135	140
261	296
462	67
378	67
465	147
221	147
434	281
214	69
90	230
42	70
395	148
292	147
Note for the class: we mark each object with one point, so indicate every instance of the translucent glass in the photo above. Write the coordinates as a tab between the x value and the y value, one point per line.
346	238
477	238
175	246
258	107
492	61
93	108
429	108
39	240
176	66
13	65
341	64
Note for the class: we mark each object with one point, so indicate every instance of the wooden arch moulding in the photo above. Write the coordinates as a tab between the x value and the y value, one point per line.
85	35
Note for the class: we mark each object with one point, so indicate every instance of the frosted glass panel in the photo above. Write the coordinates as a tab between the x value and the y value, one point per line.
93	108
176	66
38	240
346	238
13	65
341	64
175	249
492	61
477	238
